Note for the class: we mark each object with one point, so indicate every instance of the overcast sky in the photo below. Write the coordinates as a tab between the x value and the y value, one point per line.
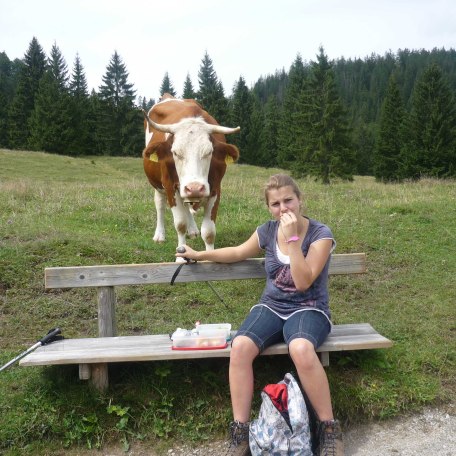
249	38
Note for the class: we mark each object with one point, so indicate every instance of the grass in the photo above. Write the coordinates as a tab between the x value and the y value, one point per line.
61	211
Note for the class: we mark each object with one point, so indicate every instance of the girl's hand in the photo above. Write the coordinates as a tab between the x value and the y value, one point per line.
289	224
187	252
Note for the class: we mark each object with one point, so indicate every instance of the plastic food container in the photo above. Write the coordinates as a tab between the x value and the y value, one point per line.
197	342
214	329
203	337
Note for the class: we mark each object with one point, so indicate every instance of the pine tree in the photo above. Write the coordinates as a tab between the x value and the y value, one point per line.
6	95
391	135
133	134
269	138
115	118
83	123
431	148
115	88
24	100
364	142
50	121
3	120
253	148
188	92
58	68
78	84
286	153
324	148
269	85
98	108
211	94
167	86
240	115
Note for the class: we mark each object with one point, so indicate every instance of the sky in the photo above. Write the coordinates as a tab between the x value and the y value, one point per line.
248	38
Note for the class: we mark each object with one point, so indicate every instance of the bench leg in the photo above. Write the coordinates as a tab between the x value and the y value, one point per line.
106	328
84	371
99	377
324	358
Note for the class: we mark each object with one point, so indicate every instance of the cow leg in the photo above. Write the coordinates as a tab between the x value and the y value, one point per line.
192	229
180	216
208	230
160	205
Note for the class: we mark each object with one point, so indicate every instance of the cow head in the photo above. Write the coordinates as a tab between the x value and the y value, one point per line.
192	143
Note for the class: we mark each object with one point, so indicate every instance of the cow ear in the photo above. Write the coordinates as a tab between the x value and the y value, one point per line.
157	151
225	152
232	154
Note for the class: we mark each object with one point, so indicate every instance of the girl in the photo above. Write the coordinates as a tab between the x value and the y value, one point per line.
293	307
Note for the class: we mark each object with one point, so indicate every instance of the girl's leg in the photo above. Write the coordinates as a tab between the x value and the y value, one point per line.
312	376
243	352
260	329
304	332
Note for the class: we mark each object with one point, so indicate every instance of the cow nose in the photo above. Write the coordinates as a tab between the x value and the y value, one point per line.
194	190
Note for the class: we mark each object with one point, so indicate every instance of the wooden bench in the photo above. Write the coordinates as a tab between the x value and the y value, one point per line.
94	354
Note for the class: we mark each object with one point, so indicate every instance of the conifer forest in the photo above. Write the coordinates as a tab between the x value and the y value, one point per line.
392	116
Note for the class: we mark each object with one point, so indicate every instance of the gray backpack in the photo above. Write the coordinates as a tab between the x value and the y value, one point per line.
282	427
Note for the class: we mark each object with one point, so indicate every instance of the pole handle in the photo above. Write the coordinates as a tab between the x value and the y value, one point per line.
49	337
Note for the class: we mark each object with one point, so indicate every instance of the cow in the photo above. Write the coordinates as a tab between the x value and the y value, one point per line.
185	159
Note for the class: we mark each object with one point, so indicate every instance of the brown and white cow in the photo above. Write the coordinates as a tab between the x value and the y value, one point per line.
185	159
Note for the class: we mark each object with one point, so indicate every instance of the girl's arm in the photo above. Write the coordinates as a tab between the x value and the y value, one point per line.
248	249
305	270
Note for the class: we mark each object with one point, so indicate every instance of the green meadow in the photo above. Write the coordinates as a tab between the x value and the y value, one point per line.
62	211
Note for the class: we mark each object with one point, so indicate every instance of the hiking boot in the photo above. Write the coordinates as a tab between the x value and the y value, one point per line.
330	435
239	439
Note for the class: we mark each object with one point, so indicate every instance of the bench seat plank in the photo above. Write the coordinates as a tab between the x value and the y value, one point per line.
158	347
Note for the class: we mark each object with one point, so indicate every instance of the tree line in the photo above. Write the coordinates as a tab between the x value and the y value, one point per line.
391	116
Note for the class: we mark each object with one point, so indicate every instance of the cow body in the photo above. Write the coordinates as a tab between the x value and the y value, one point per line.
185	159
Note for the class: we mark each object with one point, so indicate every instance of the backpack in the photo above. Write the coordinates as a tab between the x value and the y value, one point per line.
282	427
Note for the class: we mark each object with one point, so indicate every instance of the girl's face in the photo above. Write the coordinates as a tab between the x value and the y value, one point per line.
283	200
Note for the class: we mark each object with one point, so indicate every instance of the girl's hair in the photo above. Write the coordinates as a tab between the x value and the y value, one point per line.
277	181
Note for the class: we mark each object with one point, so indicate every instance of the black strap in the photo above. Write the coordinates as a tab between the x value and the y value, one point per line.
176	272
188	261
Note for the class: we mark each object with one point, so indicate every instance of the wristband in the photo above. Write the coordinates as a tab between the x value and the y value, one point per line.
292	239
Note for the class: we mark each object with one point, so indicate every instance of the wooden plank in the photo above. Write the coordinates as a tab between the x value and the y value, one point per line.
158	347
107	312
99	378
154	273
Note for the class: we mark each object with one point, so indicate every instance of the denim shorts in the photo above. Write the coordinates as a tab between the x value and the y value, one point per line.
266	328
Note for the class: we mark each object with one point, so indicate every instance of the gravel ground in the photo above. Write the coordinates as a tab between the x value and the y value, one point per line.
431	432
428	433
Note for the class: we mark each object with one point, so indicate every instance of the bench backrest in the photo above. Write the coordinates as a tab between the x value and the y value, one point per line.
154	273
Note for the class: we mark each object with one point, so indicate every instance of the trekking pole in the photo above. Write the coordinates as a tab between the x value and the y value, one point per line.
51	336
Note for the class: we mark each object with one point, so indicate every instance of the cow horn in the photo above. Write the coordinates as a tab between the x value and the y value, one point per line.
159	127
223	130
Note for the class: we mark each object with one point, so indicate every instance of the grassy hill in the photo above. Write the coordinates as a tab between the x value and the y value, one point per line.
62	211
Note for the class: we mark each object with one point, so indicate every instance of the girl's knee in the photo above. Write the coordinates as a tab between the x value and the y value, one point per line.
243	349
303	354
